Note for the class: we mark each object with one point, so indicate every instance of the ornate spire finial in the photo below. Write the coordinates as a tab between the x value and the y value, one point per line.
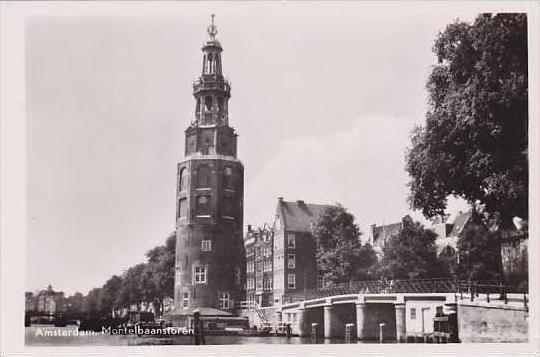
212	29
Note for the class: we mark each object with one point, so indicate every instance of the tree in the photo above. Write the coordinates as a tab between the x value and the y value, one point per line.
109	292
339	252
160	270
474	142
366	269
75	304
133	288
91	304
411	253
479	258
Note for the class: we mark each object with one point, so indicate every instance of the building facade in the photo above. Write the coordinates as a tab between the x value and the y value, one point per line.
448	230
259	246
45	301
210	258
381	235
295	265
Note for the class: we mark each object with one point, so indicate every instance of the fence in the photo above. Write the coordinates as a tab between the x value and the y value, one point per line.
449	286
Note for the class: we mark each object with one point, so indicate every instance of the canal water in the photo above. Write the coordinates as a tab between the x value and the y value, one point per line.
39	335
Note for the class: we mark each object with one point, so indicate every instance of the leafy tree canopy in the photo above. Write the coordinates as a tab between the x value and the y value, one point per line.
340	255
474	142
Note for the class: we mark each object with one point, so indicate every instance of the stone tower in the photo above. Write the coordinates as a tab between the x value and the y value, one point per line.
210	259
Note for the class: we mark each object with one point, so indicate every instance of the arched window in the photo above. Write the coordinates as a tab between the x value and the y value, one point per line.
198	107
220	104
208	103
203	176
182	208
227	177
210	63
203	206
182	179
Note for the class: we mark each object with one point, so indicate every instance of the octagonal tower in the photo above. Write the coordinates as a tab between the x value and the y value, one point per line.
210	258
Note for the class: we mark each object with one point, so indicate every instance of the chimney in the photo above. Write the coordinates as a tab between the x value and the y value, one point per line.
249	227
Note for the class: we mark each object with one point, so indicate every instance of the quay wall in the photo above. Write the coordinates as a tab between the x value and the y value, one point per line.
481	322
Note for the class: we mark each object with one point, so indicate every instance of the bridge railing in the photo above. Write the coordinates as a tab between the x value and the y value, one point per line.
491	292
450	286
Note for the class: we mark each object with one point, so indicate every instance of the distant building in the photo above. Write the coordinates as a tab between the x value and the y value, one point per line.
448	233
381	235
46	301
258	244
295	266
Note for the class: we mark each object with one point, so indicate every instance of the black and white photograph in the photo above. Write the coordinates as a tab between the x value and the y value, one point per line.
357	175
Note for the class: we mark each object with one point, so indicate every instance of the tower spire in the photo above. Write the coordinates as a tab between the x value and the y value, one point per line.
212	29
211	91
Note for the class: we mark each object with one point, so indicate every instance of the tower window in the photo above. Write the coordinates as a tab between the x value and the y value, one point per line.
208	103
203	206
199	275
220	104
203	176
206	245
182	208
227	177
224	301
183	179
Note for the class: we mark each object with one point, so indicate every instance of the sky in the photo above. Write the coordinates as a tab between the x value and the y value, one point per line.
324	97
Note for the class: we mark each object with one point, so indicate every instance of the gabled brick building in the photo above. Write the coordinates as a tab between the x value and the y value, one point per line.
295	265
